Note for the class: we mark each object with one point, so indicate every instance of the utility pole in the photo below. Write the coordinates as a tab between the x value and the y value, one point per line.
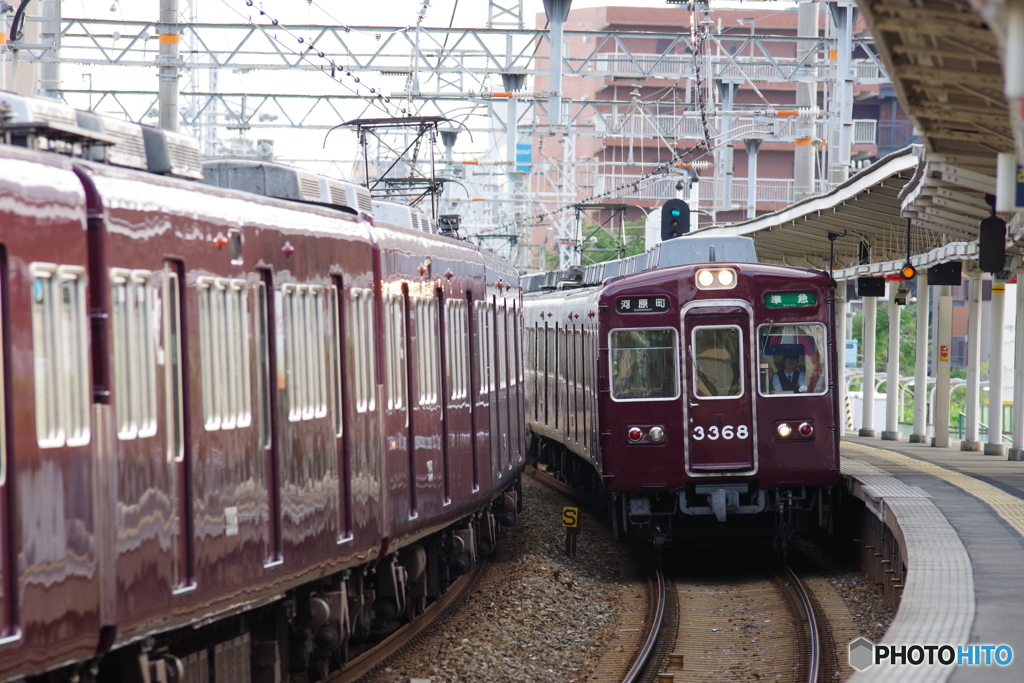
169	64
49	72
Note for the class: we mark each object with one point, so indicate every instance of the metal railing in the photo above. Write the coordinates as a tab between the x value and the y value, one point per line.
768	190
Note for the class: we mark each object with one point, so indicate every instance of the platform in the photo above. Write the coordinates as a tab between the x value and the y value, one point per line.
961	515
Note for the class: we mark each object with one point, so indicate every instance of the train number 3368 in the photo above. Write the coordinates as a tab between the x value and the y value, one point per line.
726	432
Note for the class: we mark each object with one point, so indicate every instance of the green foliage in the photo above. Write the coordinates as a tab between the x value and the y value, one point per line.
908	336
607	244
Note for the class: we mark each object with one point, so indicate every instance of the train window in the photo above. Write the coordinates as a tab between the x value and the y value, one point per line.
717	357
334	353
644	364
426	351
791	359
134	354
75	354
263	372
224	353
59	349
481	343
362	315
455	341
172	367
394	335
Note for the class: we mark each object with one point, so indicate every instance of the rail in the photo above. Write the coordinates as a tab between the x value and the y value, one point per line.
637	670
812	623
361	667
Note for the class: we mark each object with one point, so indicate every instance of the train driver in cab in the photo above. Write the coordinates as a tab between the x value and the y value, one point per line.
789	378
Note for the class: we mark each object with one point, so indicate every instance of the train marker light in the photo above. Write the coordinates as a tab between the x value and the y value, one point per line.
635	434
657	434
805	429
784	430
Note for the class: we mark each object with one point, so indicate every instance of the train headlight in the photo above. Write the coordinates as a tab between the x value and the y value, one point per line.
657	434
805	429
716	278
784	430
635	434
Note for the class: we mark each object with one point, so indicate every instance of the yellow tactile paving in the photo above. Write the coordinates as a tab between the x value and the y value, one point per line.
1009	507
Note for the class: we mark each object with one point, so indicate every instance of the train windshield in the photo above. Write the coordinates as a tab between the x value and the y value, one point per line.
791	359
716	362
644	364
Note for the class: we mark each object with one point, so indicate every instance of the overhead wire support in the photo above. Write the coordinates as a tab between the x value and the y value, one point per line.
376	98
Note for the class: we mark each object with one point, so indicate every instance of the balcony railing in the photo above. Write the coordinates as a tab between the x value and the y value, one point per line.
767	191
651	65
628	121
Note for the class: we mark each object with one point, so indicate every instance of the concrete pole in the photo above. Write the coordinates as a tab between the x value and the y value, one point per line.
841	346
970	442
3	50
994	446
727	91
806	98
944	330
753	146
841	102
892	378
1017	447
867	427
557	11
169	63
920	434
49	71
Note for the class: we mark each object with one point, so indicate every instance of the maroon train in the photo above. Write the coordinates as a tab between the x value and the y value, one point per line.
237	430
688	387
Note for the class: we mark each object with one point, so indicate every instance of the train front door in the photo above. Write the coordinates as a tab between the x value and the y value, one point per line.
718	370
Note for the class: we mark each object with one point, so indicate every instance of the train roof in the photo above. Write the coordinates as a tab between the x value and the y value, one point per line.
688	249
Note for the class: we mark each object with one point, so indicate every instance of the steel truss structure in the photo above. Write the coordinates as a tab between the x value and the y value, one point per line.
454	73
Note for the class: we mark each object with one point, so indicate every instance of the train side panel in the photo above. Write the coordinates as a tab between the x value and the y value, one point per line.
50	571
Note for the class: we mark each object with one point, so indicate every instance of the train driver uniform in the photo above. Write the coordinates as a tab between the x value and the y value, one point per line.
789	378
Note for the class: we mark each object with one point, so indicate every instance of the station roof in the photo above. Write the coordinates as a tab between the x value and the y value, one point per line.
863	210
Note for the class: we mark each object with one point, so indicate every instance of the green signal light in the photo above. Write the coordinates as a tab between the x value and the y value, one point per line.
676	213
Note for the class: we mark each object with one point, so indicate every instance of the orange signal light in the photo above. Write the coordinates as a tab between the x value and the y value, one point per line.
908	272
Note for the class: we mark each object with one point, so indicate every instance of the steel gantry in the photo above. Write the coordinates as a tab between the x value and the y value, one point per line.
475	76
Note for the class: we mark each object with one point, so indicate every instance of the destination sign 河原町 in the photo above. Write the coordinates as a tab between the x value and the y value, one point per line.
642	304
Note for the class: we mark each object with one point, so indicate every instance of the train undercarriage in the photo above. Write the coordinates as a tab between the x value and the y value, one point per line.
700	511
313	629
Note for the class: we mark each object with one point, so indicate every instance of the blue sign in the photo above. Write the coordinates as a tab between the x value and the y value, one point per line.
524	157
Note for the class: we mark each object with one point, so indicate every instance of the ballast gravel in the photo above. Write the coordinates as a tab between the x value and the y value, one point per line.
539	615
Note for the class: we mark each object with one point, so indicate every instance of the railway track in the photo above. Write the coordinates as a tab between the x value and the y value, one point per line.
675	625
365	665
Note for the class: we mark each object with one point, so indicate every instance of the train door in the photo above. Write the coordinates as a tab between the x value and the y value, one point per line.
447	363
7	574
719	388
266	359
176	438
338	370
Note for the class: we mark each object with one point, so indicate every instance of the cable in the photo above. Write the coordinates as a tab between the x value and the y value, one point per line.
375	98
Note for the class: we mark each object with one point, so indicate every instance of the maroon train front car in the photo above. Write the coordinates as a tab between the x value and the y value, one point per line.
695	392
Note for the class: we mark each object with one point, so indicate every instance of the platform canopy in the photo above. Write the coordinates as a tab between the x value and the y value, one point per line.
865	210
